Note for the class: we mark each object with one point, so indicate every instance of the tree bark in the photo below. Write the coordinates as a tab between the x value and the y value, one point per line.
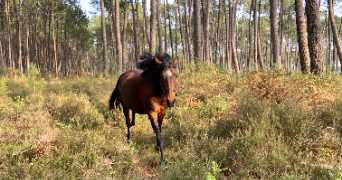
146	23
118	35
260	56
302	39
153	27
54	40
165	26
170	29
104	37
228	40
334	30
206	14
274	34
160	33
136	31
233	46
255	35
124	53
10	61
20	61
315	39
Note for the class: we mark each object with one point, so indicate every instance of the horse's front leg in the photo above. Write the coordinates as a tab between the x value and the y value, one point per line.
156	127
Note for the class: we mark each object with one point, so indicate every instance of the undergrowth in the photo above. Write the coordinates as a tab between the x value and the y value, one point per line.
256	125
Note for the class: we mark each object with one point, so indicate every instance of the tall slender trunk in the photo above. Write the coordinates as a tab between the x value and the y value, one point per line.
124	51
153	27
334	30
260	56
315	38
160	33
27	40
255	35
104	43
145	24
249	62
302	39
218	29
54	41
280	30
206	14
197	31
10	61
118	36
165	27
233	46
170	29
274	34
136	31
191	59
228	40
20	60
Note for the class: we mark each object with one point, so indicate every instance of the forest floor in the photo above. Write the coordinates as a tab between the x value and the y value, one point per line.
260	125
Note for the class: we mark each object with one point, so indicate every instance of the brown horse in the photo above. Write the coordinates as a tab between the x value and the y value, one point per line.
150	90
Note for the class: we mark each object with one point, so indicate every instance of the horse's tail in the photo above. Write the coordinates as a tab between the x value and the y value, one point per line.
114	100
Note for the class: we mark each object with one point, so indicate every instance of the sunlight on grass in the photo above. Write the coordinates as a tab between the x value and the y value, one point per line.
259	125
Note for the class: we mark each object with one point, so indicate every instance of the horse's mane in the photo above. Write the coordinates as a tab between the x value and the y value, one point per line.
148	62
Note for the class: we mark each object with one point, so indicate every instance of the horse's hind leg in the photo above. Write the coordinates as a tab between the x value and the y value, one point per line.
128	123
133	119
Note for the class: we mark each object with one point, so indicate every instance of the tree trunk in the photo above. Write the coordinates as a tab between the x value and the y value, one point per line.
20	60
153	27
145	31
274	34
233	46
197	31
170	29
315	38
302	39
255	35
104	43
118	35
124	53
228	40
249	62
165	27
160	33
191	59
260	56
10	61
334	30
218	30
54	41
280	31
206	14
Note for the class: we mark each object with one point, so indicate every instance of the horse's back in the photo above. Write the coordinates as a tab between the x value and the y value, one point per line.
129	92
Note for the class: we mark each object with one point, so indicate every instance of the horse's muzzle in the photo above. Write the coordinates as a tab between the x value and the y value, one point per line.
170	103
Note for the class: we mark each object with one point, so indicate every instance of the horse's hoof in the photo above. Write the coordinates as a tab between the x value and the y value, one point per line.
164	163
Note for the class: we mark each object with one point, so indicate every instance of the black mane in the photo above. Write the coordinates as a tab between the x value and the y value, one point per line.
148	62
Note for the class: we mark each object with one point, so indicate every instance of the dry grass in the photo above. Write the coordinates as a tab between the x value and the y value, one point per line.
263	125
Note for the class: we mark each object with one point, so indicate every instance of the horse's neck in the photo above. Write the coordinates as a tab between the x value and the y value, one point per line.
152	79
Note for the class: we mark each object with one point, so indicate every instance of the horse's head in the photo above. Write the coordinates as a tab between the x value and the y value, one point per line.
168	81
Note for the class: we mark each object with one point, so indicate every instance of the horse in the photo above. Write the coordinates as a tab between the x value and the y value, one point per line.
149	90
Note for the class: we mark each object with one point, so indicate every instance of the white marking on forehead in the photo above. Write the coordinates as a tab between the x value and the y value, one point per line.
168	73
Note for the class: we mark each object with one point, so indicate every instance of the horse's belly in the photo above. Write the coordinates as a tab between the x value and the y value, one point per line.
130	97
134	104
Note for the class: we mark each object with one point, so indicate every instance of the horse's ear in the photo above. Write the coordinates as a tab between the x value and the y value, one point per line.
158	61
175	62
